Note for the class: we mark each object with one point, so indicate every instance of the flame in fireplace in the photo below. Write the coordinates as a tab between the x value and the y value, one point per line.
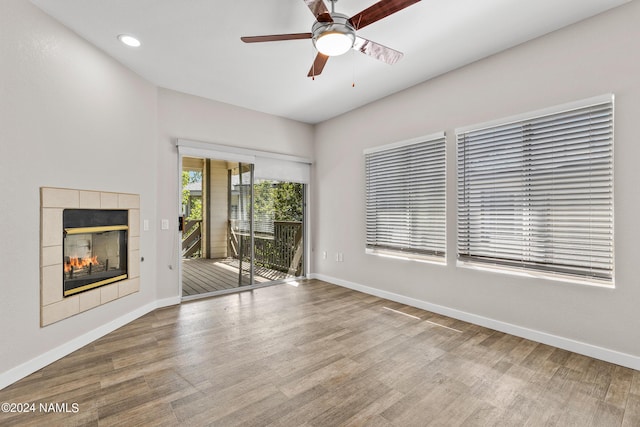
78	263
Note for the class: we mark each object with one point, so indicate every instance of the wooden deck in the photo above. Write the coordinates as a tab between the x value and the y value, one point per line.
200	276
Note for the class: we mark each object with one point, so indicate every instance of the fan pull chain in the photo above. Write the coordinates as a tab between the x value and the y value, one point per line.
313	66
353	68
354	63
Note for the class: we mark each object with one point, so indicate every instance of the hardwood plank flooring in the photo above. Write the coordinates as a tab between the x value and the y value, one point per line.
321	355
200	275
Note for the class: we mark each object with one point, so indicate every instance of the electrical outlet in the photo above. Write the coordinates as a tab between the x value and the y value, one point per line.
165	224
340	257
324	254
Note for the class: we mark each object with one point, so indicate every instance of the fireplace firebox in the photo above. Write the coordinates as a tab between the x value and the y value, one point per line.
94	248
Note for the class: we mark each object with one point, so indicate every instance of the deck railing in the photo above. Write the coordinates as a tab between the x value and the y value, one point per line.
192	238
280	251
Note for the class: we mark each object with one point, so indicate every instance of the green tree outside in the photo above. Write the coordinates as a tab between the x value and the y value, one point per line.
194	204
284	199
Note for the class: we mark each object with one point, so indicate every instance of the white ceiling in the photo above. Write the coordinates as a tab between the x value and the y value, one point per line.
194	46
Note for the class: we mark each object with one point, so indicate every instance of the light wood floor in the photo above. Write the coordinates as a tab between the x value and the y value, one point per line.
322	355
200	275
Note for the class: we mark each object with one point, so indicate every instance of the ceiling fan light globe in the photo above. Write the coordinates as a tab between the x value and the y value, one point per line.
334	43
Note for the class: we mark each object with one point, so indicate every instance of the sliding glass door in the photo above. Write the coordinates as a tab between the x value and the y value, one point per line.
240	221
243	221
216	238
278	229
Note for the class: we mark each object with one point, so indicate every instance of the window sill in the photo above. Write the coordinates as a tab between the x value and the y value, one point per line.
429	259
536	274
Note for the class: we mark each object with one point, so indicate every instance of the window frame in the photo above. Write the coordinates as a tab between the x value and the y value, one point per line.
508	266
437	256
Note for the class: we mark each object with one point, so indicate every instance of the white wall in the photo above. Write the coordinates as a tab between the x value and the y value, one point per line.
190	117
70	117
591	58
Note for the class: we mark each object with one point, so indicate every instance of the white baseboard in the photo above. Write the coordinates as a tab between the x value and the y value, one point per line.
612	356
39	362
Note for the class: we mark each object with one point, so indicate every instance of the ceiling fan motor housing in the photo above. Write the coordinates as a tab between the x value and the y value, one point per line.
334	38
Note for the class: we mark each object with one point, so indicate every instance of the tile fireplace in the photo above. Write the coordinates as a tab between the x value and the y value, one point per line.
89	250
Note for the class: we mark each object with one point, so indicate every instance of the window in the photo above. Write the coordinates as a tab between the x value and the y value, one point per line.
405	198
537	193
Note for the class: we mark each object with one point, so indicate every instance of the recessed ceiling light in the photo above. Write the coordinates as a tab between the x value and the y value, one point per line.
129	40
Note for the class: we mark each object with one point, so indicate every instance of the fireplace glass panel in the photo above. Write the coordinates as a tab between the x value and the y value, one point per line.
93	255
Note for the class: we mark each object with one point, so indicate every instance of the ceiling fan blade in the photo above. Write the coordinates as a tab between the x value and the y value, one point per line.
377	51
276	37
380	10
318	65
319	10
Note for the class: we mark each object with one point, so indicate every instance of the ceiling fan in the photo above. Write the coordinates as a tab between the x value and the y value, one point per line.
334	34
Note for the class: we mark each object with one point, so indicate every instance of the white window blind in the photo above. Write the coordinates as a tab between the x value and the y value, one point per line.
405	197
538	193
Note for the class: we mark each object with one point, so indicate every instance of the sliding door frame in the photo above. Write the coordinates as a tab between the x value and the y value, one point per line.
191	148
